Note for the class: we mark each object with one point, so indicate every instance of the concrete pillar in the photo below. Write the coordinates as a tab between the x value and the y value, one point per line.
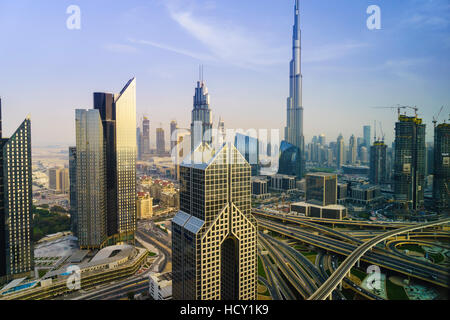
358	263
340	285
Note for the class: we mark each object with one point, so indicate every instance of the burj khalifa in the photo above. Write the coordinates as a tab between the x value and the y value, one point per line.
294	126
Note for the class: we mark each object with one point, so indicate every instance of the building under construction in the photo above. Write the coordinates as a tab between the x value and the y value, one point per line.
409	163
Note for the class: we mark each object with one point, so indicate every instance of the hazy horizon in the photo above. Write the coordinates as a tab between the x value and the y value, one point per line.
48	71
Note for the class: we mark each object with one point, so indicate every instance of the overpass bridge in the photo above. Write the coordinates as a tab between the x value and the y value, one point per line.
422	270
333	222
343	270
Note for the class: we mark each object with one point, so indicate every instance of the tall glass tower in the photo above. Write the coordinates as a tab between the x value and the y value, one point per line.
366	132
73	189
145	143
90	179
214	233
117	114
441	168
378	163
201	123
294	126
16	251
409	162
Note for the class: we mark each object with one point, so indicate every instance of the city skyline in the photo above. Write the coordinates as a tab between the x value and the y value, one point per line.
226	194
407	73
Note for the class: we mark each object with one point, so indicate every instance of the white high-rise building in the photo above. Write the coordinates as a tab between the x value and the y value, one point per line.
294	126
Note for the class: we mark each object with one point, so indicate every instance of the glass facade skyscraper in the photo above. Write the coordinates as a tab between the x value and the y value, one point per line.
201	121
116	168
145	142
160	141
441	179
214	234
16	250
366	132
73	189
378	164
340	151
91	179
321	188
288	162
409	162
126	150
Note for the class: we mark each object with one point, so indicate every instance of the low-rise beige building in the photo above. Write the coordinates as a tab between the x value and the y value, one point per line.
144	206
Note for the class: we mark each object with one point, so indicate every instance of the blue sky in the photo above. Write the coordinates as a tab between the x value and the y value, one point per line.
48	70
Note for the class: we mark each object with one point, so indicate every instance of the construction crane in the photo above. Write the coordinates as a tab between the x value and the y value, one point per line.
435	118
398	107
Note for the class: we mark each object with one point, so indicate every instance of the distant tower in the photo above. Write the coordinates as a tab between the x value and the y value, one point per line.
340	151
366	131
352	151
160	141
322	140
409	163
173	138
201	123
364	155
294	126
145	136
378	173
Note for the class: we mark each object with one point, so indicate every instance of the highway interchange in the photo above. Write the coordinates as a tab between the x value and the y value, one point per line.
298	275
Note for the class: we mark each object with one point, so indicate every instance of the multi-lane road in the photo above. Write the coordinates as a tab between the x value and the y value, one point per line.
419	269
343	270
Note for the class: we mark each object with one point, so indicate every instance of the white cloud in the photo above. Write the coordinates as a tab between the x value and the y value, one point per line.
195	55
226	42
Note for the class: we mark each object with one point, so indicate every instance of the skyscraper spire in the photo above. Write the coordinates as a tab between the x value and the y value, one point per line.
294	126
201	123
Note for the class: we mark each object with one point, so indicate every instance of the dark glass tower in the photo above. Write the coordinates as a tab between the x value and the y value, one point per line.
409	163
214	234
16	250
321	188
441	179
104	103
378	167
289	162
117	114
201	121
